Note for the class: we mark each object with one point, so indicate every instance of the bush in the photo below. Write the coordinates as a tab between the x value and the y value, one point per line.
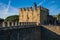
59	16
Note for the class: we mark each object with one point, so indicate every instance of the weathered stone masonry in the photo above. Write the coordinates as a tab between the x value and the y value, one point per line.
20	33
37	14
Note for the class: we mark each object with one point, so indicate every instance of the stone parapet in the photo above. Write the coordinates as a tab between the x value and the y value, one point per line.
16	23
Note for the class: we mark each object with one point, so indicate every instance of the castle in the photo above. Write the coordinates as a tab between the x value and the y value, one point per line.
34	16
31	15
12	30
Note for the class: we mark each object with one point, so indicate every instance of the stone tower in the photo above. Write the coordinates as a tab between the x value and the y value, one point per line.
38	15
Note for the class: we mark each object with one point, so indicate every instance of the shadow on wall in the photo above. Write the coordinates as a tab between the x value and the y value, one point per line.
26	33
46	34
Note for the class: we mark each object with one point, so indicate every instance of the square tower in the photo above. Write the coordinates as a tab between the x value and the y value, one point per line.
37	15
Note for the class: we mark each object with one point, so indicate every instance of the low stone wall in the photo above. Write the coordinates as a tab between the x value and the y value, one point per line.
53	28
49	33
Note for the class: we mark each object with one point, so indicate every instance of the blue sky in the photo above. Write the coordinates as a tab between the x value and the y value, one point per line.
11	7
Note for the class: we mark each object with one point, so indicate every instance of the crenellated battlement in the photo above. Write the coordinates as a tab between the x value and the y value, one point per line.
36	14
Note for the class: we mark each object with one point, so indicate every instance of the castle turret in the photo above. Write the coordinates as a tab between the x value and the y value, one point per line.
20	15
35	6
30	14
27	11
30	9
38	15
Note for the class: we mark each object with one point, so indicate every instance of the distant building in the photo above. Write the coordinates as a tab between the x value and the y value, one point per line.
51	20
56	16
37	14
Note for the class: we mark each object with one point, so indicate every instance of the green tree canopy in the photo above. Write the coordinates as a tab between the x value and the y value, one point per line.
1	20
12	18
58	16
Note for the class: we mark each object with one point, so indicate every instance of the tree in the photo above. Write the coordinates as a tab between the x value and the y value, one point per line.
58	16
12	18
1	20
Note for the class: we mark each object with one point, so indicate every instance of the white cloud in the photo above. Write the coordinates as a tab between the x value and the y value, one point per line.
41	2
6	11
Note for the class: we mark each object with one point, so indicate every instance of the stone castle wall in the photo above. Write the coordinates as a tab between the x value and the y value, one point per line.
26	33
37	14
53	28
50	33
